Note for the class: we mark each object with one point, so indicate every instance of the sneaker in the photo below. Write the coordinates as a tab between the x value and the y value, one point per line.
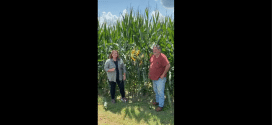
154	103
159	109
113	101
124	100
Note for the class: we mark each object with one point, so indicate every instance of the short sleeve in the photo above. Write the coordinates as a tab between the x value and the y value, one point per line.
164	60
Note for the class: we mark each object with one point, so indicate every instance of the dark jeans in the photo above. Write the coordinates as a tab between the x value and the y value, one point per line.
121	87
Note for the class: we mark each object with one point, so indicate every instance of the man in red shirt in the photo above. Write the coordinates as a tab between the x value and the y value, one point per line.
159	66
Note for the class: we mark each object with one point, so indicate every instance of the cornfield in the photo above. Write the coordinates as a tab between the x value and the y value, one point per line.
133	37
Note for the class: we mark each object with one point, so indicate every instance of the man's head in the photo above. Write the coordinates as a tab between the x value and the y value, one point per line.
156	50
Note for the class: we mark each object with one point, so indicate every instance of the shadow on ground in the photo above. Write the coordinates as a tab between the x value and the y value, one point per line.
145	108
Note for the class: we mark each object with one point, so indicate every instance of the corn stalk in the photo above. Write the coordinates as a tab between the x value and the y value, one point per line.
136	33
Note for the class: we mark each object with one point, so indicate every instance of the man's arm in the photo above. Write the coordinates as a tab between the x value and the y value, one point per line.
166	70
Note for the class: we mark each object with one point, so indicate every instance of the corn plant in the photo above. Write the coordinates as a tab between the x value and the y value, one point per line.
133	37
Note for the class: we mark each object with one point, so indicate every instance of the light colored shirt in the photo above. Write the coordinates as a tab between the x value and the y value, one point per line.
109	64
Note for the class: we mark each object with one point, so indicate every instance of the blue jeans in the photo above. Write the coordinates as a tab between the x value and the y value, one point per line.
158	86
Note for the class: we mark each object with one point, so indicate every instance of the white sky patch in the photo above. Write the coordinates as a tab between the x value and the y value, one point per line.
161	17
110	19
124	12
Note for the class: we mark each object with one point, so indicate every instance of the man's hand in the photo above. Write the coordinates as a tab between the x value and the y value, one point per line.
162	76
165	71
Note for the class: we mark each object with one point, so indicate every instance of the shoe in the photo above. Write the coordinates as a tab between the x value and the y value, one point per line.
124	100
113	101
154	103
159	109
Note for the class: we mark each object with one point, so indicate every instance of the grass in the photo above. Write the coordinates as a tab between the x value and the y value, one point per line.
134	112
136	32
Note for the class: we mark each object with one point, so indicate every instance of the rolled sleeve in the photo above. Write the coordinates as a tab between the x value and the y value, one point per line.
106	66
124	68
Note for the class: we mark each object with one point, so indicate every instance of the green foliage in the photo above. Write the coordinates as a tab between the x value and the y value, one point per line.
136	32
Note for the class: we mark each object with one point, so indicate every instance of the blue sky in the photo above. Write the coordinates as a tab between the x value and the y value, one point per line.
110	10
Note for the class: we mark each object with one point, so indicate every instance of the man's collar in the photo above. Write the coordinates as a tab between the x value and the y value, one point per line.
158	55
